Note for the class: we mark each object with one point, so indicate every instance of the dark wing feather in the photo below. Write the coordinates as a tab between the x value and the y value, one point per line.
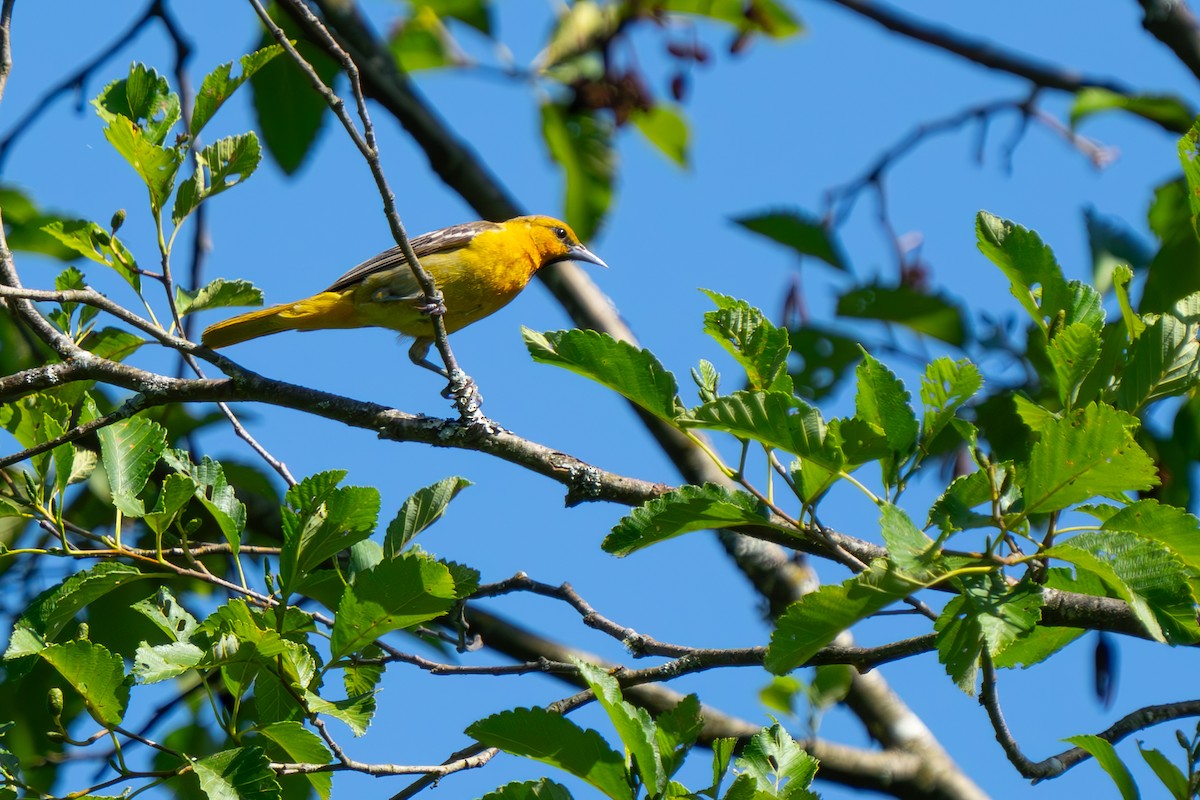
439	241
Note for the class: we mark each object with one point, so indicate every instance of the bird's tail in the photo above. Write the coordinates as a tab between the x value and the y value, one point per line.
325	310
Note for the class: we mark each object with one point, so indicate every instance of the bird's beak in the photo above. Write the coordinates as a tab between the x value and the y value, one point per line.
580	253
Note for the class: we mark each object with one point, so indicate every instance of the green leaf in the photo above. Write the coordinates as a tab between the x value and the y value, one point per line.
355	711
757	16
1073	352
579	27
93	242
988	613
288	109
177	490
952	511
883	404
931	314
1102	750
476	13
51	610
302	746
759	346
775	419
1147	575
143	97
634	374
552	739
1034	276
816	619
1169	111
113	344
218	86
399	593
1083	455
220	166
422	42
581	143
799	231
168	615
213	492
97	674
152	664
1169	774
780	767
683	510
1036	646
1164	361
542	789
420	510
945	387
320	520
130	449
1189	157
243	773
908	547
1171	526
676	730
219	293
157	166
664	127
634	725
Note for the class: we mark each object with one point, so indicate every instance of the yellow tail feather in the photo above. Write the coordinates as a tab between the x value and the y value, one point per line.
325	310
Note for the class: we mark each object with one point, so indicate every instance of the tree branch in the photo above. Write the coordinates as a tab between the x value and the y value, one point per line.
1174	24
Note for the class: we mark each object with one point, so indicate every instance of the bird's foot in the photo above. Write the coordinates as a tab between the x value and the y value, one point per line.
463	390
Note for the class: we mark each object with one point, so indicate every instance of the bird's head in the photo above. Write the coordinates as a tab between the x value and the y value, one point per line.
556	241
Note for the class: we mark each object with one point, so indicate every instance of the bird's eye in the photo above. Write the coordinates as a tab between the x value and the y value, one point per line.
561	233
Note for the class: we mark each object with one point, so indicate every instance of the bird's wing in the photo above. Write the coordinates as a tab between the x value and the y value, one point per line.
440	241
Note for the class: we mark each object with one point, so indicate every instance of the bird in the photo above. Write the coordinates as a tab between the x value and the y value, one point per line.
478	266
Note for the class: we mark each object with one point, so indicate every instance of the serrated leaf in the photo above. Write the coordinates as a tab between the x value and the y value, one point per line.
776	420
356	711
320	520
634	374
541	789
219	293
1036	646
816	619
882	403
1082	455
634	725
759	346
157	166
93	242
96	673
143	97
799	231
243	773
161	662
676	730
931	314
1189	158
1106	756
1164	361
214	493
908	547
168	615
113	344
130	449
302	746
399	593
1171	526
664	127
780	767
945	387
581	144
420	510
1034	276
1073	352
177	490
218	86
988	613
689	508
552	739
220	166
51	610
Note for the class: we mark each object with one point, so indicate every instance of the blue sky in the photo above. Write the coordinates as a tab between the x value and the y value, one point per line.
773	128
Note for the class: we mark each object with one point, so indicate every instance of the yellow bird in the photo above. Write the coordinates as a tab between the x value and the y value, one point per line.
479	267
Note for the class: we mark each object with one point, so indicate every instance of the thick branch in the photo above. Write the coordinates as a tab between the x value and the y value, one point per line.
1174	24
